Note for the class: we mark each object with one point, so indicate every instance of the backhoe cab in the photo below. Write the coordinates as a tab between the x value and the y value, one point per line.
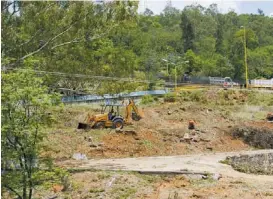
111	118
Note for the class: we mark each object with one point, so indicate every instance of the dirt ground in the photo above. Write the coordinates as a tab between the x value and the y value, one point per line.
160	132
163	131
121	185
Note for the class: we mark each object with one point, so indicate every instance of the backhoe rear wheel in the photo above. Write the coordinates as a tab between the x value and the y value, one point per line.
100	125
118	124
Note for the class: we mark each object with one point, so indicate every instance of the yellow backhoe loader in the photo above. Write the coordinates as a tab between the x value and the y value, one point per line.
112	118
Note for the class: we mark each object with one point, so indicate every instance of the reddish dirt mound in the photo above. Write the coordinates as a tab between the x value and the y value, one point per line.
260	124
148	143
145	143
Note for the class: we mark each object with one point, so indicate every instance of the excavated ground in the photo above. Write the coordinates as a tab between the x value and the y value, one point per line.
163	131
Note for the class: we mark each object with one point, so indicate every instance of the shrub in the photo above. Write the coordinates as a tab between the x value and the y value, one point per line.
170	97
147	99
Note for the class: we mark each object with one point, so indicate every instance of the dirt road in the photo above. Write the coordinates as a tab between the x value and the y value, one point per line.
189	163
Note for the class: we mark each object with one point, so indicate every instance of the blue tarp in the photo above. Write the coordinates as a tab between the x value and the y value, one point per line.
114	96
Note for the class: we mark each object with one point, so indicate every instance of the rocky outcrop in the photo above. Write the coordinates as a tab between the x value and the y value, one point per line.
257	137
257	163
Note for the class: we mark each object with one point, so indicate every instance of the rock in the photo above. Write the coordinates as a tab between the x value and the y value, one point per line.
118	130
182	108
101	144
90	139
205	139
195	138
169	112
137	138
186	136
130	132
93	145
216	176
210	109
79	156
209	148
203	131
204	177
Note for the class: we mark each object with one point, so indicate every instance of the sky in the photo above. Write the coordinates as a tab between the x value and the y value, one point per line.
224	6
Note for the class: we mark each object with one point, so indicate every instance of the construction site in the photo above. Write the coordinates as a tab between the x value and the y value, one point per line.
212	143
136	99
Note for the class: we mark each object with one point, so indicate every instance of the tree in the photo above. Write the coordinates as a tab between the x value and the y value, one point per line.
25	105
219	35
187	33
45	28
148	12
195	62
261	12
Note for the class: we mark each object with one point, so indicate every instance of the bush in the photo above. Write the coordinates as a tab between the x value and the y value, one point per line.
170	97
255	98
195	96
147	99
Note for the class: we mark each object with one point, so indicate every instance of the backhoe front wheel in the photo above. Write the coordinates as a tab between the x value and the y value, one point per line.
100	125
118	124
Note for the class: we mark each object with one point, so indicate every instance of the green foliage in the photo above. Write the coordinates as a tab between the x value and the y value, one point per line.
51	177
188	34
111	39
170	97
25	105
147	99
123	192
195	96
147	144
264	99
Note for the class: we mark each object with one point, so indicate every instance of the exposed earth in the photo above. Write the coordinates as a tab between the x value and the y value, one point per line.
162	132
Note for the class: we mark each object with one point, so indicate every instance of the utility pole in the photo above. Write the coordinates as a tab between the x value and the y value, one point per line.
175	78
245	60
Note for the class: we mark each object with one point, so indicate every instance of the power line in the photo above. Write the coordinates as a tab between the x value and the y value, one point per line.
97	77
87	76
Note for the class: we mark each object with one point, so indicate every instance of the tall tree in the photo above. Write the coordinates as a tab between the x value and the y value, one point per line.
219	35
25	102
187	32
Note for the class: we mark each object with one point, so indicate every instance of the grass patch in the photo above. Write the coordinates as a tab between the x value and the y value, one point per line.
147	144
226	161
104	175
123	192
96	190
209	181
147	99
149	178
170	97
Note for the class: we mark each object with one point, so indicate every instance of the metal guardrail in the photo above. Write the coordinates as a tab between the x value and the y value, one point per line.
264	83
95	98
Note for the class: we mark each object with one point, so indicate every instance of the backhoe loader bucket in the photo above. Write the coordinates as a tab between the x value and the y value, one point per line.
83	126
